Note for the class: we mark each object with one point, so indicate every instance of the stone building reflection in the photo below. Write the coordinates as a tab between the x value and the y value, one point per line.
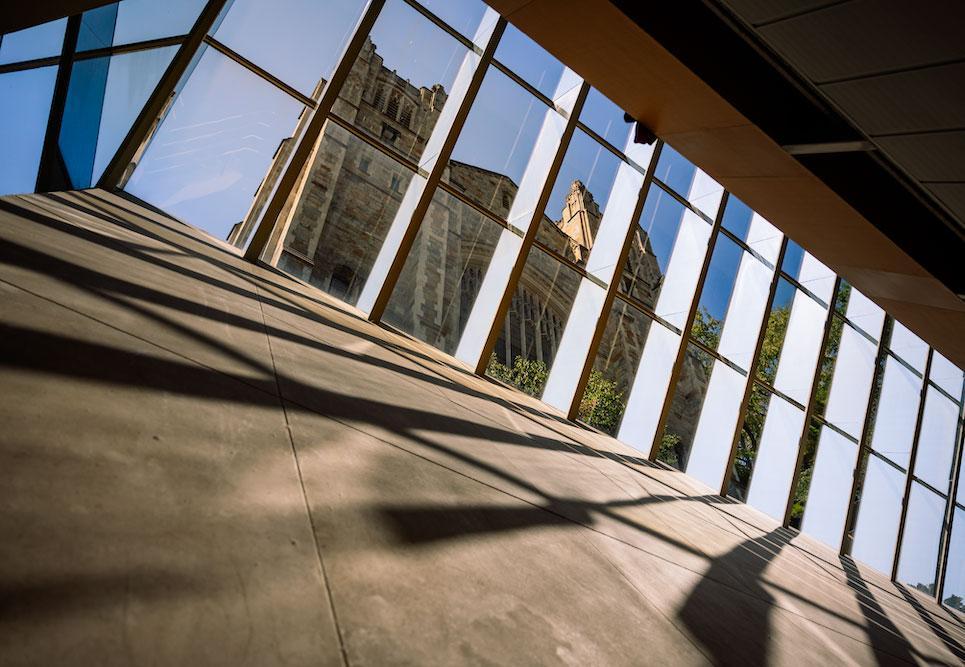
344	203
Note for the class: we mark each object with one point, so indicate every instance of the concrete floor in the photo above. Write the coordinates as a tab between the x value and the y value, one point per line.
205	462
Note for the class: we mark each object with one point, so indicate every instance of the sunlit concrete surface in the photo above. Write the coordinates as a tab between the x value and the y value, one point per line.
205	462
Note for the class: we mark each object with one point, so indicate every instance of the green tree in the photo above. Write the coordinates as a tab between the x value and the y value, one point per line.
707	328
527	375
602	404
750	433
955	602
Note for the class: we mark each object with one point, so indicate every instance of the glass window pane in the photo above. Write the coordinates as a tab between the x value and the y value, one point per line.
508	135
314	35
136	21
897	412
710	452
936	441
97	28
24	106
685	408
402	80
579	198
649	389
793	260
816	277
946	375
732	302
39	41
470	18
443	273
775	331
876	528
908	346
130	81
78	135
803	486
919	548
614	368
801	347
747	225
141	20
748	443
537	67
851	384
862	311
773	466
954	593
745	311
215	145
830	488
666	253
716	293
104	97
606	119
689	182
533	326
347	199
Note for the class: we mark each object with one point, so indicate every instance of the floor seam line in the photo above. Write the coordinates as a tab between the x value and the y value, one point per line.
301	482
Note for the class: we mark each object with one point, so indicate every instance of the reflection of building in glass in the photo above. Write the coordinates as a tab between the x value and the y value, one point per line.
347	198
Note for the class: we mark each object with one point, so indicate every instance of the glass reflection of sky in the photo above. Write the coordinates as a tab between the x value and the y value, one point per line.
530	61
793	259
660	219
415	48
24	106
587	161
314	35
721	276
606	119
136	21
784	295
41	41
465	16
737	217
675	170
215	145
502	127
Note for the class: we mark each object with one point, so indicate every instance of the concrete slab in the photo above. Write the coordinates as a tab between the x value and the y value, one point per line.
207	462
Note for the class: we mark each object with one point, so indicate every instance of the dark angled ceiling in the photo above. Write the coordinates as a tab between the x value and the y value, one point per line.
895	70
827	77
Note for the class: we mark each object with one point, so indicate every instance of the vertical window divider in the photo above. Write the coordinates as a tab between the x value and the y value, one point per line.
574	409
812	396
953	488
52	172
495	326
911	465
752	370
864	446
685	330
118	169
441	163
